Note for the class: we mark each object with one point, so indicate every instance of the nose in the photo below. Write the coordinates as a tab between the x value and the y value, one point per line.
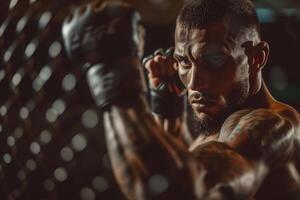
198	79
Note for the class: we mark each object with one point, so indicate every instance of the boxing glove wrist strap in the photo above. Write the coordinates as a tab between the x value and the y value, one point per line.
113	84
166	104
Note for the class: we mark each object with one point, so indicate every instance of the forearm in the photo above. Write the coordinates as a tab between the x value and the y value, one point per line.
168	109
176	127
139	150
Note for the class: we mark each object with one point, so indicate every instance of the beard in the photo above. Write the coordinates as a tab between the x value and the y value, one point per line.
210	124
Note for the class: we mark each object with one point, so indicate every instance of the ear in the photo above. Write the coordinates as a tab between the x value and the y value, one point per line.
261	54
257	55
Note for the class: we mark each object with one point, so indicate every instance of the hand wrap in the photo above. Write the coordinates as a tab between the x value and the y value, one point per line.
164	102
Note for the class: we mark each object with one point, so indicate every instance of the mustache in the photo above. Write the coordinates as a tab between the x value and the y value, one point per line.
202	96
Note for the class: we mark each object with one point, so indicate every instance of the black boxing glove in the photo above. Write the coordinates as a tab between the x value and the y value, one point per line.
96	38
165	103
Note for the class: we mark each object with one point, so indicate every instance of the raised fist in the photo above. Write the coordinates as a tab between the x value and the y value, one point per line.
162	73
107	41
102	32
165	86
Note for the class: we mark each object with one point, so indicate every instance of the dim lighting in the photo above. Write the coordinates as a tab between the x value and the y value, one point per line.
45	137
59	106
2	74
106	162
16	193
35	148
44	19
30	105
90	119
18	133
4	26
278	79
69	82
60	174
45	73
161	4
16	79
42	78
21	175
78	142
7	158
49	185
87	194
31	165
55	49
158	184
30	49
66	154
12	4
11	141
51	115
100	184
21	24
266	15
3	110
7	55
24	113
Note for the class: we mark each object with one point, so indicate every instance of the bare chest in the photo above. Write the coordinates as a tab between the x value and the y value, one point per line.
203	139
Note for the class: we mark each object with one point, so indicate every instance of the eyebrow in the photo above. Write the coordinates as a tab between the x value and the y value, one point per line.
204	54
180	55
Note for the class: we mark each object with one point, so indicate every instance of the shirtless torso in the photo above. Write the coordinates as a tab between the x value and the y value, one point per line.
283	181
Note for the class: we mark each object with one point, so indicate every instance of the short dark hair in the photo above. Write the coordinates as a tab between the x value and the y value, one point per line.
200	13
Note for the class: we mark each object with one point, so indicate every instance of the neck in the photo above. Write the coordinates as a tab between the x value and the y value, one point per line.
260	98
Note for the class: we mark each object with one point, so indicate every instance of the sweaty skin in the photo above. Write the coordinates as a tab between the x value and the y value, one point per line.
251	150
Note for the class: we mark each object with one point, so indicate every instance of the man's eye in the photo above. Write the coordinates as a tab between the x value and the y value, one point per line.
184	62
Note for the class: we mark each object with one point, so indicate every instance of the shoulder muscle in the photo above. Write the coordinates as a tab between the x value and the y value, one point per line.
261	134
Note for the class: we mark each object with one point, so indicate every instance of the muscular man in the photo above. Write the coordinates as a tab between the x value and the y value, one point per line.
248	143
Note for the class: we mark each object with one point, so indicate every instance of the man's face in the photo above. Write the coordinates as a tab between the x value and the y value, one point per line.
215	71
